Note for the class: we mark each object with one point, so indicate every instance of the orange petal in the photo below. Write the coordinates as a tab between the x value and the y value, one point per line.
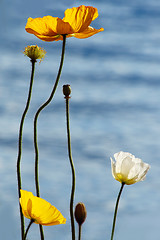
49	38
48	28
40	26
87	33
80	18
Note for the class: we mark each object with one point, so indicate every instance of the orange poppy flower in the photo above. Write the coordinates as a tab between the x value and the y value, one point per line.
39	210
75	24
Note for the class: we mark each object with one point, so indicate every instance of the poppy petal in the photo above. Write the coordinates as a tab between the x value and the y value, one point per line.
80	17
25	196
48	28
41	211
49	38
87	33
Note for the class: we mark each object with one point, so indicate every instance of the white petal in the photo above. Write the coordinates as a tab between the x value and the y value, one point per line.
113	167
128	169
121	155
126	166
144	169
134	171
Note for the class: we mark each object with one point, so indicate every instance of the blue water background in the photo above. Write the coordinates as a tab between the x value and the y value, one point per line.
115	105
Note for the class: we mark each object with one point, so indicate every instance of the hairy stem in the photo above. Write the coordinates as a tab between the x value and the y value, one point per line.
79	231
20	145
35	125
116	209
73	170
29	225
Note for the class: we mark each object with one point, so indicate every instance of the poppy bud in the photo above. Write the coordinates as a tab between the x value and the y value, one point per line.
80	213
66	90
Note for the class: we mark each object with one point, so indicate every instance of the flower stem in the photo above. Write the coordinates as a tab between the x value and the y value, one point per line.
73	170
116	209
79	231
29	225
35	124
20	144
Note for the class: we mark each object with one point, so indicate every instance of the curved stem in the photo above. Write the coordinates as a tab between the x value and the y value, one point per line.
28	228
73	170
116	209
35	124
20	145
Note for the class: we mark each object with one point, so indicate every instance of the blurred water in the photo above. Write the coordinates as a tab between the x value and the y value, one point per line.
114	77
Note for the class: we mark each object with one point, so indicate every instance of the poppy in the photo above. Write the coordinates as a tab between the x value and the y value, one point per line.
39	210
76	23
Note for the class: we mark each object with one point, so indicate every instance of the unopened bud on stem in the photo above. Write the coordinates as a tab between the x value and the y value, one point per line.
80	213
67	90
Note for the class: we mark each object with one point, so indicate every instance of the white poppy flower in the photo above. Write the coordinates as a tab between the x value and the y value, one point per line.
128	169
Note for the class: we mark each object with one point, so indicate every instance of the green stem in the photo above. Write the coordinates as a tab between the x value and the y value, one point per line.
79	231
73	170
28	228
35	124
41	232
20	145
116	209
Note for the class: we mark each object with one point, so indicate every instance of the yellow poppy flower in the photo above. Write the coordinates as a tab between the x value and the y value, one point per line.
75	24
39	210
